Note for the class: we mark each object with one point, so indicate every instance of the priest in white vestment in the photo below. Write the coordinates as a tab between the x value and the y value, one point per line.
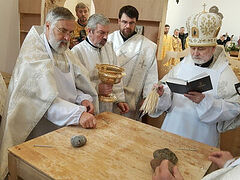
137	55
96	50
197	115
48	86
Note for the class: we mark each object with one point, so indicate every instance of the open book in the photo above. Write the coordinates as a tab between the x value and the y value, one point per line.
199	83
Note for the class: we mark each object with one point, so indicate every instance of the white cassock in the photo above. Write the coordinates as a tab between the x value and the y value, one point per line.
43	83
137	56
89	56
230	172
199	121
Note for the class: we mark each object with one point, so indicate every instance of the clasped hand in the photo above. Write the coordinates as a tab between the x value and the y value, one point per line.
104	89
87	119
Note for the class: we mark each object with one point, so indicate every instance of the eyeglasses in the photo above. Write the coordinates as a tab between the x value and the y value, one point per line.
102	33
131	23
65	32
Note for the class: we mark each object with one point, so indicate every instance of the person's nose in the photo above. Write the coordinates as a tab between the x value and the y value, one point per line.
127	25
195	52
105	36
67	37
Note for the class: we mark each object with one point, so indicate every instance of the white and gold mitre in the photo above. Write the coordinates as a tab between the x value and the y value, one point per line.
203	29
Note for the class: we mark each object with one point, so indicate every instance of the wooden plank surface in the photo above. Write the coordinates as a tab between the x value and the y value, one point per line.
119	148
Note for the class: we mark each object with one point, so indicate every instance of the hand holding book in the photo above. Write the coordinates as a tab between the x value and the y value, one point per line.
199	83
194	96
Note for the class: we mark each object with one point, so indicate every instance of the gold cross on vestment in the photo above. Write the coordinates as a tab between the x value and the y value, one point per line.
204	7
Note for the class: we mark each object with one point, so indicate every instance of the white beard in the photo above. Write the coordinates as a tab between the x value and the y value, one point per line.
199	61
56	45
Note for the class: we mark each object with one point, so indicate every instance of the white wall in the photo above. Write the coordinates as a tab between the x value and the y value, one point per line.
9	34
177	14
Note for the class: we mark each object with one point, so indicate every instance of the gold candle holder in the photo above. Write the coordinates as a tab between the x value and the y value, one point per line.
109	74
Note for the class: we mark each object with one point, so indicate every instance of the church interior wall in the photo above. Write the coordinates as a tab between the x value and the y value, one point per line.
9	34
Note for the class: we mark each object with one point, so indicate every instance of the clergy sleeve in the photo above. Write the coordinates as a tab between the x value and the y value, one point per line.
164	102
151	77
211	110
119	92
63	113
81	97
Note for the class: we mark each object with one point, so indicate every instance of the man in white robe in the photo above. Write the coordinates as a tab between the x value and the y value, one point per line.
229	168
96	50
137	55
48	86
196	115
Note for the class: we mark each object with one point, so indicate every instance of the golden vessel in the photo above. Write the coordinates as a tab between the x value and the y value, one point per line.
109	74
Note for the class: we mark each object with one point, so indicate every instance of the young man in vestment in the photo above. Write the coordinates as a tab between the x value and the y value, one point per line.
80	31
177	46
96	50
137	55
47	87
166	43
195	115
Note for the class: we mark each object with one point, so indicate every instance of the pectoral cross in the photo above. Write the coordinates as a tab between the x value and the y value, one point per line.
204	7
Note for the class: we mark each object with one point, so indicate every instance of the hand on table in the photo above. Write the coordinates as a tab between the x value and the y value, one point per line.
87	120
220	158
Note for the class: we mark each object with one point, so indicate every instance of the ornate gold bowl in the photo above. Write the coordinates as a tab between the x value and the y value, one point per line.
109	74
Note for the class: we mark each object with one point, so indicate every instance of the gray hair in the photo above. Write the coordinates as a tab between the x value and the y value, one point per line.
81	6
176	30
97	19
58	13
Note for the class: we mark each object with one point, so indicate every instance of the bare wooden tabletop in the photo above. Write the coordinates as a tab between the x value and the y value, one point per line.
119	148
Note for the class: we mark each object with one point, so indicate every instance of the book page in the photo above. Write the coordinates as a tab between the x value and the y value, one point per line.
199	76
177	81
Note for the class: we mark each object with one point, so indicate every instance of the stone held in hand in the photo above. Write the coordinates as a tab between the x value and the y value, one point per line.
156	162
78	141
165	153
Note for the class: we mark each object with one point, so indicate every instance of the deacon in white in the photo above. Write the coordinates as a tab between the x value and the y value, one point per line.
136	54
195	115
47	85
96	50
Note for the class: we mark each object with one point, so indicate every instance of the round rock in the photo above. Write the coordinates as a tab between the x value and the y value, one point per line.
165	153
78	141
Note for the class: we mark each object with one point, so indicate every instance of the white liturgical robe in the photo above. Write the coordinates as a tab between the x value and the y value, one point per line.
229	172
137	55
89	56
199	121
37	89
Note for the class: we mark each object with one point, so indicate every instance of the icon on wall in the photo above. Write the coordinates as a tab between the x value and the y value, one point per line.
139	29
